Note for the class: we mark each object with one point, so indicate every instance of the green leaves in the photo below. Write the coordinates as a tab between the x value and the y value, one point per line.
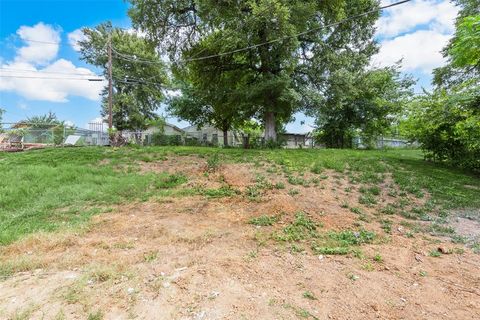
465	47
137	85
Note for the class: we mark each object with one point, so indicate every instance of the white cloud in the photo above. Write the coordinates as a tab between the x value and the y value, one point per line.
415	32
405	17
42	43
34	76
419	50
74	37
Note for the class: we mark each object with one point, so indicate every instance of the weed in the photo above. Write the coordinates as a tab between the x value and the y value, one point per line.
263	220
423	273
387	226
353	277
440	230
293	192
392	193
344	205
367	200
309	295
294	248
60	315
368	267
476	247
301	228
388	209
378	258
458	239
279	185
331	250
24	314
434	253
98	315
252	254
297	181
356	210
18	264
213	162
317	168
219	193
253	193
348	238
150	256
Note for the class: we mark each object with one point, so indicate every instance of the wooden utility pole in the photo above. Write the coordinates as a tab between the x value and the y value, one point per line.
110	89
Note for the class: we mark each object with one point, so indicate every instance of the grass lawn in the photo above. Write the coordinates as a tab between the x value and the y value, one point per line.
49	189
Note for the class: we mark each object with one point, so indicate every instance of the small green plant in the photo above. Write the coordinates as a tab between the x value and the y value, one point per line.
301	228
293	192
344	205
309	295
150	256
423	273
388	209
279	185
253	192
387	226
219	193
213	162
331	250
368	267
476	247
434	253
353	277
98	315
263	220
356	210
367	200
378	258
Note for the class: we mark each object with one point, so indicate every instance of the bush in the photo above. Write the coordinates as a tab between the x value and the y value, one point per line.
160	139
447	125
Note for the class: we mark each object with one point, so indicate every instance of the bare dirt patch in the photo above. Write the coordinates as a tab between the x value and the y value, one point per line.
199	258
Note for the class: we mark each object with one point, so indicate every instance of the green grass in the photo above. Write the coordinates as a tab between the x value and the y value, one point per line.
45	190
263	220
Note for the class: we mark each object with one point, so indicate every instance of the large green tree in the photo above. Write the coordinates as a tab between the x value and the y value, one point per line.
139	76
272	73
447	121
363	103
464	46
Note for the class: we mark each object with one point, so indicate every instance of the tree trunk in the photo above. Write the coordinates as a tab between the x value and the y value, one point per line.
225	137
270	130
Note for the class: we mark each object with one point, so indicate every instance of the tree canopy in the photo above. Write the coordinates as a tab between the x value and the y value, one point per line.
138	87
267	79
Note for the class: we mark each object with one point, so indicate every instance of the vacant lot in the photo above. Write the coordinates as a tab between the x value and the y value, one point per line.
198	233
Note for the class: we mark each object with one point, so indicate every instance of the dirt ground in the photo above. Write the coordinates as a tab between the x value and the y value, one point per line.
194	257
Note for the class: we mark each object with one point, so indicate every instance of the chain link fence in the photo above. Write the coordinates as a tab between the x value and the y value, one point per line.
21	136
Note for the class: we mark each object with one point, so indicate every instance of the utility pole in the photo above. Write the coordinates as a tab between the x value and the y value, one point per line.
110	89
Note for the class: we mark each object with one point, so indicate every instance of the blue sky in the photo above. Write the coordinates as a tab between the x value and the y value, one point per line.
415	32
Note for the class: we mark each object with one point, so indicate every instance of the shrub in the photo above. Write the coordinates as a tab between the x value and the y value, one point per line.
160	139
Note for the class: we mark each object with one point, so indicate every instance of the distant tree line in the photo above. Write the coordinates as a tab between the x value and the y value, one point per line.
231	62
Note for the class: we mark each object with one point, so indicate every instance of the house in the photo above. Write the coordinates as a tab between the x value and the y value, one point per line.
210	135
168	130
298	140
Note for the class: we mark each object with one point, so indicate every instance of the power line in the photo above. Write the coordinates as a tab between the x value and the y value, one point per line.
134	59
